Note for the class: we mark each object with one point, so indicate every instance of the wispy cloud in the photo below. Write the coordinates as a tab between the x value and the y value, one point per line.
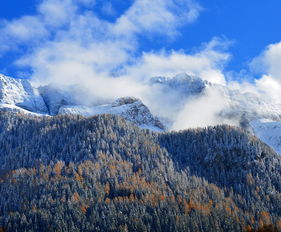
158	16
268	64
258	98
269	61
76	47
108	9
207	63
73	19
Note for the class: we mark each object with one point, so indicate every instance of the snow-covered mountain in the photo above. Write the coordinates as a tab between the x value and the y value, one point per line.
19	96
239	105
129	108
252	112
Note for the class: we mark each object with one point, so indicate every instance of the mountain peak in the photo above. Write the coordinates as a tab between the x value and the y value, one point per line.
20	93
124	101
129	108
181	83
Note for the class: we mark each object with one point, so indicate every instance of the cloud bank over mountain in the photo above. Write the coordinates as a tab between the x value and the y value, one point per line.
66	43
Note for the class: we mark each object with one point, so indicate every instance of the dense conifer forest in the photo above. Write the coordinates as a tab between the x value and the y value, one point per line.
70	173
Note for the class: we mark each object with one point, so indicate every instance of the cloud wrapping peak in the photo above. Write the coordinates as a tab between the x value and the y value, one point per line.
70	45
68	35
207	63
66	44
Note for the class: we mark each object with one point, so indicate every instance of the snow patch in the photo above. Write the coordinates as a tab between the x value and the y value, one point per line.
129	108
269	132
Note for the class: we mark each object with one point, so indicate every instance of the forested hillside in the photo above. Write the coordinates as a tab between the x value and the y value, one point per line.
70	173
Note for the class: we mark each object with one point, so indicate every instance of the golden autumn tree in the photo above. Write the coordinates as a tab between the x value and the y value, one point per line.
107	188
58	167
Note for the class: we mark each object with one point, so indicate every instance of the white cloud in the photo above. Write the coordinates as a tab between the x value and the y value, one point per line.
83	50
207	63
21	31
158	16
58	18
25	29
108	9
203	111
57	12
66	33
262	96
269	62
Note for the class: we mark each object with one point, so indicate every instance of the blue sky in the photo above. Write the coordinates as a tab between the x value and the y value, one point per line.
246	26
252	25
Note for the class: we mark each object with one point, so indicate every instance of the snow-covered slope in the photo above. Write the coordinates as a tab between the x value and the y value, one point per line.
19	96
129	108
20	93
269	132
